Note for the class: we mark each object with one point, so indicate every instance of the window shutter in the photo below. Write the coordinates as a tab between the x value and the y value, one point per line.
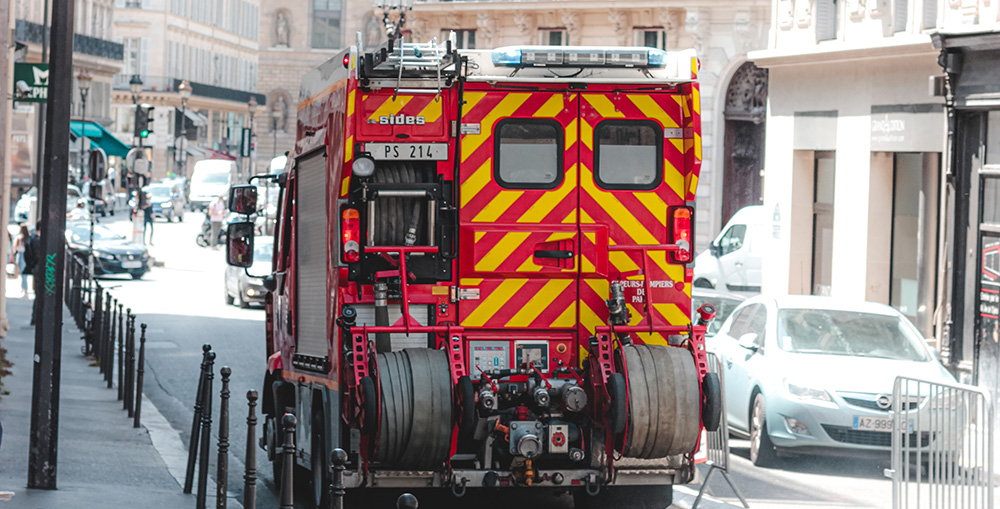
826	19
899	15
929	14
144	57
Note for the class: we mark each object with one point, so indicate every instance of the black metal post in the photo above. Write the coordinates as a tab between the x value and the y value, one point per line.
121	353
44	430
196	421
141	372
250	475
206	432
288	423
222	464
407	501
95	325
129	361
108	338
338	458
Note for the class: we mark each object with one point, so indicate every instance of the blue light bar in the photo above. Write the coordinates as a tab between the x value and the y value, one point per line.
657	58
507	56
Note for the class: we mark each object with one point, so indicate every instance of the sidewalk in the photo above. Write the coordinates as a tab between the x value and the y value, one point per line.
102	460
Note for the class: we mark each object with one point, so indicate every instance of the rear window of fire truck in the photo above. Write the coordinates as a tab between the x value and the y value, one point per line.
628	154
528	153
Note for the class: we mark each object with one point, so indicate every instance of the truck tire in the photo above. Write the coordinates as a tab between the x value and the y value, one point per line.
320	459
711	402
617	413
664	402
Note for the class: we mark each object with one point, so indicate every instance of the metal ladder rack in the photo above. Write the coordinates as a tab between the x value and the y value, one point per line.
401	61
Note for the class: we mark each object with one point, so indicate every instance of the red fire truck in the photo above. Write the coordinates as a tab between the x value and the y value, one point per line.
482	272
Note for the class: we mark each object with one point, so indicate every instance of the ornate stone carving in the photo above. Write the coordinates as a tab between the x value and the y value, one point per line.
743	35
486	28
417	27
618	19
856	9
695	28
786	13
746	97
278	100
452	20
525	23
373	32
803	13
282	28
571	20
672	22
877	8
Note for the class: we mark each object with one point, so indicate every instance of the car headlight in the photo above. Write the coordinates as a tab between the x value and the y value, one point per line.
803	392
105	256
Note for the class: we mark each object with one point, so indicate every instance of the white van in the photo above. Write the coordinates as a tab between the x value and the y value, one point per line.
210	180
733	261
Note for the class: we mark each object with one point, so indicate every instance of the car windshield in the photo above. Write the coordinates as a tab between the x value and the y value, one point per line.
832	332
723	308
262	253
81	233
214	178
158	191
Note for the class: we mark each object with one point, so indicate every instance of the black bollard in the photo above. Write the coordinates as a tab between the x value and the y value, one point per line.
121	355
287	462
407	501
196	421
95	326
139	376
250	475
222	465
206	431
130	365
338	458
109	349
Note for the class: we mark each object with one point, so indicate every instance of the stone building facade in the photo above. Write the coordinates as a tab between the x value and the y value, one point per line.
733	92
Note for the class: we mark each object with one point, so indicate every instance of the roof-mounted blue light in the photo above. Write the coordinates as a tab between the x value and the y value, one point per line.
507	56
657	58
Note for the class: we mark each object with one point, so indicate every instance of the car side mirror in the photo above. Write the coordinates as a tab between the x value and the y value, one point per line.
715	249
239	244
270	283
747	341
243	199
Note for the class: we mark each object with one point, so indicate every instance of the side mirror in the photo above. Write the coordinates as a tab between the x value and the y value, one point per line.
243	199
747	341
715	249
270	284
239	244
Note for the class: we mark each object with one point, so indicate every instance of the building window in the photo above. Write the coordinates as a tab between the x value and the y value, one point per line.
326	24
900	12
464	38
651	37
628	154
553	37
826	20
822	255
914	237
528	153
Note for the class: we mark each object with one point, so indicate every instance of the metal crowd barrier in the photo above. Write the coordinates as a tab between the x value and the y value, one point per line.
942	445
716	443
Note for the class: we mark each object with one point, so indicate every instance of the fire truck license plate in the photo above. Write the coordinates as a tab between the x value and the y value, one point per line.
408	151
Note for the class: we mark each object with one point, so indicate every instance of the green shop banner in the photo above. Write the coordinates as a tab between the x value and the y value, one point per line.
31	82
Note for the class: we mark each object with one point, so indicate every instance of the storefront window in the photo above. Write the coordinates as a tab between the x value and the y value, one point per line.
993	137
822	263
991	200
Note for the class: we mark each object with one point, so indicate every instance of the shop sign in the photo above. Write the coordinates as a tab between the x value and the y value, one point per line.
31	82
907	128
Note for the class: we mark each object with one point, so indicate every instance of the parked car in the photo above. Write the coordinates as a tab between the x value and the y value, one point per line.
73	196
167	201
734	260
210	180
243	288
113	253
724	304
815	374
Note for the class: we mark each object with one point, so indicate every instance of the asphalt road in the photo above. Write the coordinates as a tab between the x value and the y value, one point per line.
182	303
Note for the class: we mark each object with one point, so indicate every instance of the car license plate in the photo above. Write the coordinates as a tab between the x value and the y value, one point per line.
408	151
865	423
135	264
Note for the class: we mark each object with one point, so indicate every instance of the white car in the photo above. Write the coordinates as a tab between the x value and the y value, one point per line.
733	262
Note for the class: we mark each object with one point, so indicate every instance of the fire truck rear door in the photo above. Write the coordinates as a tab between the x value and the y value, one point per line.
631	172
519	239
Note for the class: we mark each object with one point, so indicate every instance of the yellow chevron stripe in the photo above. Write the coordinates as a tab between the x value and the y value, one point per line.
696	100
685	107
673	177
678	144
622	262
571	131
529	265
591	236
345	185
497	206
603	105
496	255
588	318
652	109
470	281
349	149
471	100
694	184
538	303
672	314
391	107
697	145
551	108
585	217
493	302
550	200
567	318
476	182
570	218
654	205
560	236
587	265
479	235
616	210
431	112
350	103
600	286
586	134
507	106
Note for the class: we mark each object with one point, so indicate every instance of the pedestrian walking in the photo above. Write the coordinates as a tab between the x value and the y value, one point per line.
146	204
32	256
216	213
20	245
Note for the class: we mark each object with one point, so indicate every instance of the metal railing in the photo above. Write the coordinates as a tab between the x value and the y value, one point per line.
942	445
716	443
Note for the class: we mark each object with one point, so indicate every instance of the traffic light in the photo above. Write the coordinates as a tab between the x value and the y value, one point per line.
143	121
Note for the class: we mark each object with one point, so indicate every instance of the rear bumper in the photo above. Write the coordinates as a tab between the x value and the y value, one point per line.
545	479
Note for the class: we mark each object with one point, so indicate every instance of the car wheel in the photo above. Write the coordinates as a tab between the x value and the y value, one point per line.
229	298
702	283
762	450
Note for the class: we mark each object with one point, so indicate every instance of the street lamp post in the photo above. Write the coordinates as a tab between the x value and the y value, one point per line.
252	108
184	89
83	80
135	86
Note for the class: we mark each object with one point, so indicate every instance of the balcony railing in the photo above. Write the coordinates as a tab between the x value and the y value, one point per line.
168	84
26	31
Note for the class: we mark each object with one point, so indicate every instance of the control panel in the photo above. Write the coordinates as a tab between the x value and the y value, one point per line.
532	352
488	356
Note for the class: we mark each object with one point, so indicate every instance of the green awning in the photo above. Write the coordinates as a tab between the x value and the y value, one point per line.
100	137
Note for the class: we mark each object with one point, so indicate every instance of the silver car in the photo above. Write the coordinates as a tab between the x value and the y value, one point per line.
808	374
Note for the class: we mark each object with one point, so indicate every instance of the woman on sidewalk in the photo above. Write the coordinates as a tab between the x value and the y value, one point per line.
19	246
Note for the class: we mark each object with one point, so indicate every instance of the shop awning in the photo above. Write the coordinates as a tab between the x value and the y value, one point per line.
100	137
197	119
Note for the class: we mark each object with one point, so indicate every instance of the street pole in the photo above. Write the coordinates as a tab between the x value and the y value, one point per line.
44	440
42	114
83	81
7	64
